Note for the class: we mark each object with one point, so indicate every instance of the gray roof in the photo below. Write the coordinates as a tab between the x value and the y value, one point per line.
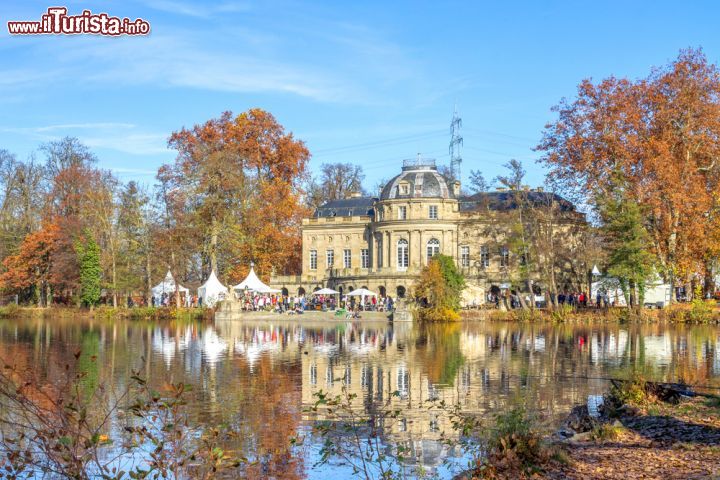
424	182
507	200
347	207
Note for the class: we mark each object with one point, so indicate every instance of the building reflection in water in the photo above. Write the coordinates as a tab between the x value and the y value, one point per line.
262	377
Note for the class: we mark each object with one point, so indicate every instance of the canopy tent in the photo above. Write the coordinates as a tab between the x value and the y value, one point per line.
326	291
254	284
212	291
362	292
167	286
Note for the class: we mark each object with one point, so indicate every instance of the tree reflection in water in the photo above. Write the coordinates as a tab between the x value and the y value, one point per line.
259	377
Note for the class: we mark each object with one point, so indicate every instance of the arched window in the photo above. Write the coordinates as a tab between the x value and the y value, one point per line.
433	248
402	254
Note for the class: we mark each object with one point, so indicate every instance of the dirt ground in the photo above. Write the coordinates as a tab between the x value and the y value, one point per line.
662	441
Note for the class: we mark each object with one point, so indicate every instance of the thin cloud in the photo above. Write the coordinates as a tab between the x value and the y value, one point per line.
198	10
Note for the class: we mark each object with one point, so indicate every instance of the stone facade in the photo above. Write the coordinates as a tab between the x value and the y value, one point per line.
383	243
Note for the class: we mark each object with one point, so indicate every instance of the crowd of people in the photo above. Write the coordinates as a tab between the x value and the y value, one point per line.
573	299
253	301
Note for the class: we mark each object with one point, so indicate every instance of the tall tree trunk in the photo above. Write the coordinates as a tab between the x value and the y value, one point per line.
213	245
114	280
148	276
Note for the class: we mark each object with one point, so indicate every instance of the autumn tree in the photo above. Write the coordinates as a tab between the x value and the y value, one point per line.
662	132
337	181
135	227
519	238
70	173
102	211
31	271
22	195
439	288
238	181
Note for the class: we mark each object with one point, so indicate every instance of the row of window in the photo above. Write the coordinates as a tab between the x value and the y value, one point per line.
402	212
347	258
403	256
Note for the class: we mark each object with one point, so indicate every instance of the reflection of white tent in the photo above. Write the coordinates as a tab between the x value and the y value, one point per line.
212	291
254	284
167	286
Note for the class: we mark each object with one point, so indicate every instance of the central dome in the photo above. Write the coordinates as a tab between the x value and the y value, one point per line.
419	179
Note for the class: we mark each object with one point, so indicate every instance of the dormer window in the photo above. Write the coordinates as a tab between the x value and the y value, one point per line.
404	188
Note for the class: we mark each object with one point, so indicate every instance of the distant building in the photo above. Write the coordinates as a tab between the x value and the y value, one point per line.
383	243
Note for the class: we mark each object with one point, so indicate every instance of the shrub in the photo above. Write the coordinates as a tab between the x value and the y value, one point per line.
605	432
9	311
515	443
700	310
562	313
631	391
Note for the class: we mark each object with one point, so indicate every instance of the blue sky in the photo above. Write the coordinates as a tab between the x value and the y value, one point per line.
364	82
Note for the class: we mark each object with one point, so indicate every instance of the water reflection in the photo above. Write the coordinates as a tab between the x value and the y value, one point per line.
261	377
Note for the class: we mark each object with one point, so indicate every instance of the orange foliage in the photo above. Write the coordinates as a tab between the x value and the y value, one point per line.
34	262
237	181
663	134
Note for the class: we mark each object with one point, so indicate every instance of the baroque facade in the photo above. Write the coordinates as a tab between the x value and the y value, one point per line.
382	243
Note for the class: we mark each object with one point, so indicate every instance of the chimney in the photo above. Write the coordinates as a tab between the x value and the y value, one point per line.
540	189
456	188
354	195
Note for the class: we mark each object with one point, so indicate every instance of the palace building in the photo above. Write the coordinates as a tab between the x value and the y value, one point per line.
382	243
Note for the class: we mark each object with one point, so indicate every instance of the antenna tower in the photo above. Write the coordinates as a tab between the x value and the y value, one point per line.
456	142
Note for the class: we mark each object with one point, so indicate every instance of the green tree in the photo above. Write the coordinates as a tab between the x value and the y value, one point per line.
88	253
628	242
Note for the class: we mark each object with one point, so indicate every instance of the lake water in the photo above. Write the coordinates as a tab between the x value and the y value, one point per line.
261	377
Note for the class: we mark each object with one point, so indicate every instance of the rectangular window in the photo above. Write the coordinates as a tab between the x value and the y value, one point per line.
524	259
313	259
402	213
403	258
504	257
379	253
364	258
330	258
313	374
347	259
465	256
484	256
433	212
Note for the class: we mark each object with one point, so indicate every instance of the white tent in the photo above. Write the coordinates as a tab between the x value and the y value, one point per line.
254	284
326	291
362	292
212	291
657	292
167	286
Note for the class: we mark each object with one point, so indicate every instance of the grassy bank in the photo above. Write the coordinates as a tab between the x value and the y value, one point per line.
109	313
706	313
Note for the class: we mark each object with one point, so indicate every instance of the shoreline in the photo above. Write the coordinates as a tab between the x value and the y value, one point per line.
633	434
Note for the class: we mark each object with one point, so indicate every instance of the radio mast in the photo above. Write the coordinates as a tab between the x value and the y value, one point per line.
456	142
